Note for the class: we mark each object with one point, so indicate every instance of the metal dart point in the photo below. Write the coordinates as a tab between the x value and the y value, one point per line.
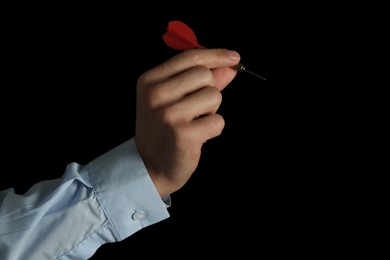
240	67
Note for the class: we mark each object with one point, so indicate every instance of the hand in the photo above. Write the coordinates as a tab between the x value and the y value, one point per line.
177	105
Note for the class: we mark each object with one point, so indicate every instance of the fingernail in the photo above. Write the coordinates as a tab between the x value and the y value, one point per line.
233	55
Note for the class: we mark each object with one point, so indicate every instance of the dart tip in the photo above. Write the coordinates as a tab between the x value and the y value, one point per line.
254	74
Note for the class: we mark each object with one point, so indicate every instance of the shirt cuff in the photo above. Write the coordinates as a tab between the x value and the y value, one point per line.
125	190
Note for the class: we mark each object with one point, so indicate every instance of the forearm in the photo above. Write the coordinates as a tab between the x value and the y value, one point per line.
100	203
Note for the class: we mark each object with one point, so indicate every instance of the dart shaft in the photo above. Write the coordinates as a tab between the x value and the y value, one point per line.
240	67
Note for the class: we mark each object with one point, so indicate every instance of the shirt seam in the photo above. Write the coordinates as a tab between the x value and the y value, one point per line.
76	245
102	207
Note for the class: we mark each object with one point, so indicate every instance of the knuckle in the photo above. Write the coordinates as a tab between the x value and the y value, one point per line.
218	124
204	75
169	115
214	94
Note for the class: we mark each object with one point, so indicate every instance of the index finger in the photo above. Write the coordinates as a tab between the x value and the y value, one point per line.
210	58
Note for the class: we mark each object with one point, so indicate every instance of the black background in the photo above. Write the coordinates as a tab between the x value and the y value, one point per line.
68	95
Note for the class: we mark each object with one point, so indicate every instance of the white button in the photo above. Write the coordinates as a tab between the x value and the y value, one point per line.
138	215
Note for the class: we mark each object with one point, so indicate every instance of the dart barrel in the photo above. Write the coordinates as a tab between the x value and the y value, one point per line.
240	67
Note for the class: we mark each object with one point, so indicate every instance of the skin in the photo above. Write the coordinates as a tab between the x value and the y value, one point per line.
177	104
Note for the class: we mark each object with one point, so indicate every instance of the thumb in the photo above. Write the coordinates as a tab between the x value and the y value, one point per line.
223	76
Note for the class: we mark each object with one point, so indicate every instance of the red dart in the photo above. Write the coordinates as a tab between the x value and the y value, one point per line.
180	36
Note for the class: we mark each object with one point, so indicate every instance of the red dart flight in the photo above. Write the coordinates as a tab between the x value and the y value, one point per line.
180	36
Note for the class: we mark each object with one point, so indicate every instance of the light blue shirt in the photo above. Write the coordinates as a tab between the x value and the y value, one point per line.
105	201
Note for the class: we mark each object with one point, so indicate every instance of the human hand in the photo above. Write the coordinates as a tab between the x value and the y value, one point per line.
177	103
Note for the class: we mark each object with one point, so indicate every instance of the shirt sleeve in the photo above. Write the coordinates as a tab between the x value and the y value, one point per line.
105	201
